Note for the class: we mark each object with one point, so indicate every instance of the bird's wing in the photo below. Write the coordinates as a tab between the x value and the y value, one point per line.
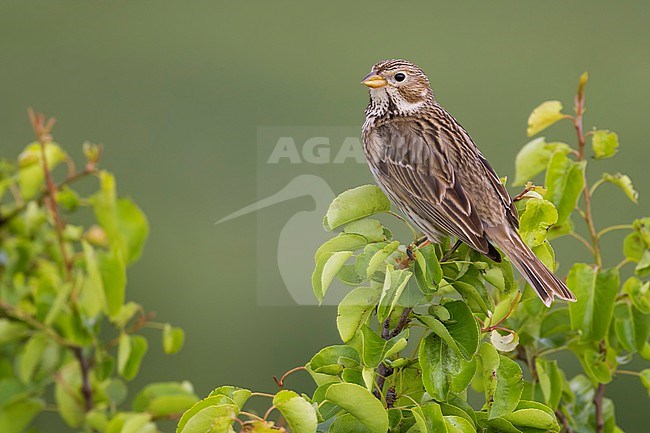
502	192
415	163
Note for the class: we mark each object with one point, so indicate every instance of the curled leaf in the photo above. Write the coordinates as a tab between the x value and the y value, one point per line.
624	182
543	116
504	343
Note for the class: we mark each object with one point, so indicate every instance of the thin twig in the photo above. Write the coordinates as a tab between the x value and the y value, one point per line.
43	130
268	412
383	371
582	240
142	321
280	382
615	227
582	140
33	323
86	388
564	420
598	402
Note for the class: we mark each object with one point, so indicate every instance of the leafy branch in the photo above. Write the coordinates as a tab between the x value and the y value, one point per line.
481	334
63	291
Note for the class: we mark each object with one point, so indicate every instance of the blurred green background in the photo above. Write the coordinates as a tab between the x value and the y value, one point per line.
176	90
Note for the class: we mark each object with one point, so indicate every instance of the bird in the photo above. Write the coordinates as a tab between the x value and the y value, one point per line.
431	169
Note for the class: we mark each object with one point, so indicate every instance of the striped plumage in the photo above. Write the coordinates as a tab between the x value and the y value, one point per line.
429	167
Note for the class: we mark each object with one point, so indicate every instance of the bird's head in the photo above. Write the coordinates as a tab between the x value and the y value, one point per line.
398	87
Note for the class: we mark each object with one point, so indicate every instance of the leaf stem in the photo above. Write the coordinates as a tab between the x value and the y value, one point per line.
410	227
262	394
583	240
615	227
628	373
280	382
595	186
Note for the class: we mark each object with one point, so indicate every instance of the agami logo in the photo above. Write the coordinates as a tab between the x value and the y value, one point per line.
299	172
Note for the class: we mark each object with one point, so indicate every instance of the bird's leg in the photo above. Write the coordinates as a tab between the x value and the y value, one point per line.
418	243
451	251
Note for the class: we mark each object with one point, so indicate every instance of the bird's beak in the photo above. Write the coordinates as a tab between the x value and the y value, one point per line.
373	80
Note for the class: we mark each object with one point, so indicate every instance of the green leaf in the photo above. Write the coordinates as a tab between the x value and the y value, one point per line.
457	424
125	422
394	283
361	404
346	423
173	338
369	228
460	332
543	116
68	198
378	258
550	381
208	416
503	381
131	350
427	268
475	295
237	395
17	415
633	247
165	398
374	349
534	415
355	204
623	182
30	163
642	268
354	310
641	329
67	394
443	370
645	379
604	143
300	415
327	266
429	419
596	292
639	293
113	274
494	276
124	223
333	359
555	322
565	181
92	298
595	365
534	223
342	242
533	159
31	357
624	326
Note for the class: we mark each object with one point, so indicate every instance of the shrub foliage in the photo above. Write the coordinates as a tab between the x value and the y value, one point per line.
441	340
69	339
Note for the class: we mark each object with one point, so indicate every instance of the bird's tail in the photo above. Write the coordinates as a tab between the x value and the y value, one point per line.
542	280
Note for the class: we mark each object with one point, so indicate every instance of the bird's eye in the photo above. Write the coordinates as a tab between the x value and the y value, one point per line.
400	77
